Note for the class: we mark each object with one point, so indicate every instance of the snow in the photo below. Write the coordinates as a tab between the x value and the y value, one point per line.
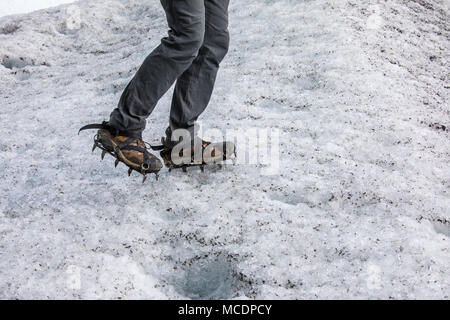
24	6
359	209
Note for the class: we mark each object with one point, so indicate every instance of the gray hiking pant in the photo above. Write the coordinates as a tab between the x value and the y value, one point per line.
197	42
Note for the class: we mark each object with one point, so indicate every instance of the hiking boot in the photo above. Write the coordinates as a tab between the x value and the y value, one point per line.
133	152
207	153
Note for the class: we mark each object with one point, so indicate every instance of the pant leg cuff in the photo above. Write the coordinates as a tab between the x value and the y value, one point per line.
134	133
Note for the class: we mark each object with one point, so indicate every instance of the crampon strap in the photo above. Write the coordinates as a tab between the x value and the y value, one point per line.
139	149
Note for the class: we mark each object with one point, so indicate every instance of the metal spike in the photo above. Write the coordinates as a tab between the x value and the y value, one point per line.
94	147
157	176
202	168
116	163
130	171
145	178
103	154
170	169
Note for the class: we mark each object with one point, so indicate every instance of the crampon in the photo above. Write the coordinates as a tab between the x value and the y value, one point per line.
211	153
133	152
